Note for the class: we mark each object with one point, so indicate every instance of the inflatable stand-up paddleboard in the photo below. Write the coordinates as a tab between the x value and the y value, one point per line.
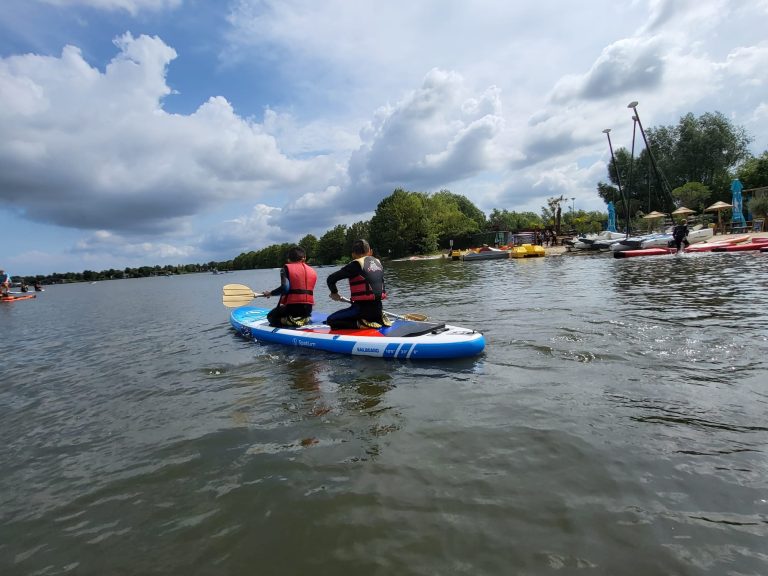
405	339
15	297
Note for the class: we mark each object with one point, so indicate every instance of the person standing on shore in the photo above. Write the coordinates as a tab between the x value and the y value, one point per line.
680	235
296	290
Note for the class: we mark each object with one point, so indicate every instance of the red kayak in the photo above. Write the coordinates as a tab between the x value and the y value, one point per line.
13	297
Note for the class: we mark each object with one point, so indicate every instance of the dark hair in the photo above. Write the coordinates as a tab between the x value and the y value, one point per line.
296	254
360	247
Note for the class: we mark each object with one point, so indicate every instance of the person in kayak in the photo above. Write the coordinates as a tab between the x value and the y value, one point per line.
296	290
366	286
680	235
5	282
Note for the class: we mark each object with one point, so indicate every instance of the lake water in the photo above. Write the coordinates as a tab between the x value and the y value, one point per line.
616	424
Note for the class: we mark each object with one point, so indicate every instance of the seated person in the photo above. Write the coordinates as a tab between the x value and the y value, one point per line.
366	286
296	290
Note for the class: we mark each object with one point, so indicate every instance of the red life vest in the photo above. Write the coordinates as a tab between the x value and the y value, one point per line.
302	279
372	273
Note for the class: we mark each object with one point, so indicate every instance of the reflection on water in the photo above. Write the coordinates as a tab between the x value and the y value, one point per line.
615	423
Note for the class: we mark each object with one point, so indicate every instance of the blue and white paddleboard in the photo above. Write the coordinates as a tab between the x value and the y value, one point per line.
405	339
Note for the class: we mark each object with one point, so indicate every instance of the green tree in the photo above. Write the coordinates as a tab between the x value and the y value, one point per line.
465	206
332	245
514	221
401	225
693	195
753	173
705	149
309	243
357	231
758	206
449	215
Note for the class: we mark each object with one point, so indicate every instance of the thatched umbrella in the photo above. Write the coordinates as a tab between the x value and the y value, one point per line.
653	215
718	207
683	211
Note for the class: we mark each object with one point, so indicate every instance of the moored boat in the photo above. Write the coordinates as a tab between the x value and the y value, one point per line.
485	253
527	251
663	240
593	241
633	242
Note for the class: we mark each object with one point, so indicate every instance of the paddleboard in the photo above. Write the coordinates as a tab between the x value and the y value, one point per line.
14	297
405	339
644	252
740	247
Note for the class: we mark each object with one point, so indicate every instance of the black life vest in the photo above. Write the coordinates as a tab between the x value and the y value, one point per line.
679	232
369	285
302	279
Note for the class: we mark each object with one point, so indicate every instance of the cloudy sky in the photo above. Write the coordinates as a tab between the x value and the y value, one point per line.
143	132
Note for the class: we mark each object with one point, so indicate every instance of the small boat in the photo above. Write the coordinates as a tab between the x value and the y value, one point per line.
663	240
527	251
418	257
405	339
485	253
633	242
593	241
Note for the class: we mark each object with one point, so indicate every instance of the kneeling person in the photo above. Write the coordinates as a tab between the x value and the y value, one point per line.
296	290
366	286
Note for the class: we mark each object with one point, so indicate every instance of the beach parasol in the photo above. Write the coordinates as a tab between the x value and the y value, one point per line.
718	207
653	215
683	211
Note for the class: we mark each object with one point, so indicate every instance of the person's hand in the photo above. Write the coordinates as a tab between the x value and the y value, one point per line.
267	294
336	296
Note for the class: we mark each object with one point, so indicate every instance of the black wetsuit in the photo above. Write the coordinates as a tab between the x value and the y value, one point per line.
680	236
369	310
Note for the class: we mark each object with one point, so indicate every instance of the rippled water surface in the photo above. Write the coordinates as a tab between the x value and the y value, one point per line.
616	424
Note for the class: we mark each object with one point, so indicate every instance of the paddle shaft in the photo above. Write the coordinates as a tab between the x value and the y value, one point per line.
413	317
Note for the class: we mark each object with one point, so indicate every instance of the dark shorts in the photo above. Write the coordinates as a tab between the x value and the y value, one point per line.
280	312
370	310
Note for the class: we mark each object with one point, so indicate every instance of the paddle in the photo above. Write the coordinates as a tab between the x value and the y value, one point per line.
236	295
414	317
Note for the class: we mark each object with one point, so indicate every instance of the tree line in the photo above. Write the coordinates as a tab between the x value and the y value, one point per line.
113	274
695	162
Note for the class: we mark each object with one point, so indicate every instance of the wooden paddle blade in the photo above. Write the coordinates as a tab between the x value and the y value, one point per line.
236	287
240	293
237	290
234	301
416	317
